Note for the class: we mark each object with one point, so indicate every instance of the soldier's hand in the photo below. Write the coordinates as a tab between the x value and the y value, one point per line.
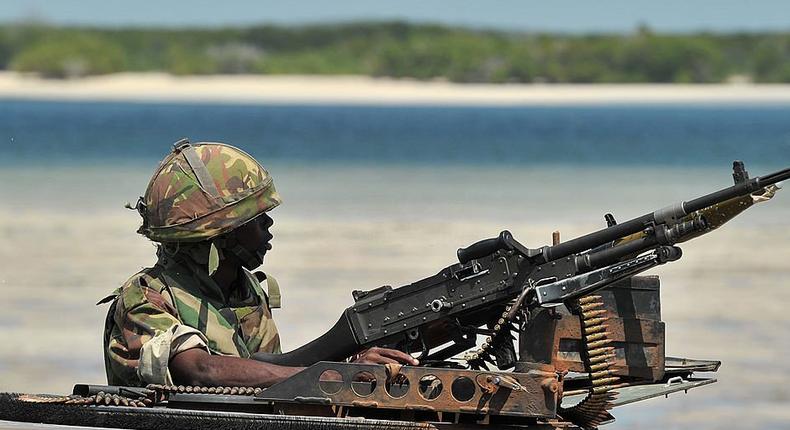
377	355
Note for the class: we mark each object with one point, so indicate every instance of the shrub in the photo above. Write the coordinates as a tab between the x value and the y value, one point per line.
70	56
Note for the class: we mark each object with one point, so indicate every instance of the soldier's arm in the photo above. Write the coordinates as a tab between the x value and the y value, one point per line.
198	367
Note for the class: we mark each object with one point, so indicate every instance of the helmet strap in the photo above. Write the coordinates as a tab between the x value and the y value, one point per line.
213	259
202	174
229	244
248	259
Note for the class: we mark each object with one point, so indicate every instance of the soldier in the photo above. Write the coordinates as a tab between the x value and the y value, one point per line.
197	316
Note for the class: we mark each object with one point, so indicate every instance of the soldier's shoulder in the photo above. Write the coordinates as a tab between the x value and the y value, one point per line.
144	286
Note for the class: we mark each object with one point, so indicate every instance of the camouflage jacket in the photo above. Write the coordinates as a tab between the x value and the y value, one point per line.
175	306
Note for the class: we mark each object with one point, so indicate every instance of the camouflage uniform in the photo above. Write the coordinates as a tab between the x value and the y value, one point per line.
175	306
198	193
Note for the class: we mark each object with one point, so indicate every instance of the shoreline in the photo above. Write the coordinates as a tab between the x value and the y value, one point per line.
363	90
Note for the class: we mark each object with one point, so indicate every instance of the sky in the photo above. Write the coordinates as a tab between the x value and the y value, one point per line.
582	16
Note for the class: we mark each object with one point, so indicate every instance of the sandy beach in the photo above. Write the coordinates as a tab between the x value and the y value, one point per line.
286	89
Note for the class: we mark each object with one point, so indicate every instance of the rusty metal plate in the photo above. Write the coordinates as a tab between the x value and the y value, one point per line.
427	389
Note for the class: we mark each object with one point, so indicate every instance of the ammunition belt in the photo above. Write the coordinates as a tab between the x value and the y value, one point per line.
153	395
187	389
593	410
502	328
99	399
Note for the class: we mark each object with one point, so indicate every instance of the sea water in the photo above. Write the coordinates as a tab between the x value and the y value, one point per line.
384	195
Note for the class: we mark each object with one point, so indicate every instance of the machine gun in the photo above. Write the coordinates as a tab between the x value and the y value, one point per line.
499	287
452	306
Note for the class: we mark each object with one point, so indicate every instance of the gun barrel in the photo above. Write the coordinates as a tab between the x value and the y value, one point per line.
671	214
736	190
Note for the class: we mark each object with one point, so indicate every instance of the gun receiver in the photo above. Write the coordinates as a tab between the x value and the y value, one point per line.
465	299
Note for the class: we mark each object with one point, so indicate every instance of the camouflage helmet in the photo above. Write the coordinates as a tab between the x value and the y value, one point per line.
203	190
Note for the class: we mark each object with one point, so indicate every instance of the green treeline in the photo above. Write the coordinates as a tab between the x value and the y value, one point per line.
399	50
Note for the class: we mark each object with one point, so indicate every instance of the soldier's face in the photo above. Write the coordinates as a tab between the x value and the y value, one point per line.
255	236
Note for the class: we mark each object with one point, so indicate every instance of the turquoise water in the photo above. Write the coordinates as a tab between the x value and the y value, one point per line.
62	132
